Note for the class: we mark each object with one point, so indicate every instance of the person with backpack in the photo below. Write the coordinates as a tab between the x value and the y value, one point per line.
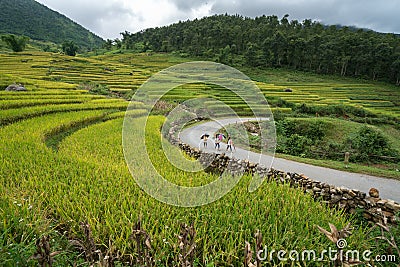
205	139
217	141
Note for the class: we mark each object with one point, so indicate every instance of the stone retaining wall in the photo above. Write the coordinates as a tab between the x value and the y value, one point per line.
373	208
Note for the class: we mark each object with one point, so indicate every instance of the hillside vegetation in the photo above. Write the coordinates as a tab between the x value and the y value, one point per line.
32	19
267	41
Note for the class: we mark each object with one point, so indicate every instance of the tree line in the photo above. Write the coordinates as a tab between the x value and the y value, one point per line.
268	41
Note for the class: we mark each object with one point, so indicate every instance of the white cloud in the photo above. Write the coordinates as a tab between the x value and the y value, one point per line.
108	18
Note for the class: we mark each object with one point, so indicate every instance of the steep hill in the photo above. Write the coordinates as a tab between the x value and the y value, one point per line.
30	18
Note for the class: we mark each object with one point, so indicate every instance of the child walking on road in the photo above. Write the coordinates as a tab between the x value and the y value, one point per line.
217	144
218	139
230	144
205	139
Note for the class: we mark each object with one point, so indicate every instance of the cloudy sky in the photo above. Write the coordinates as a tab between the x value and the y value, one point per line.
108	18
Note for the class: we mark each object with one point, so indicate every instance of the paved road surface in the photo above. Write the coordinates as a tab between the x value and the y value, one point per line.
388	188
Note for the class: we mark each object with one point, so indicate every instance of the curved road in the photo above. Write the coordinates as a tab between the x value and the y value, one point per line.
388	188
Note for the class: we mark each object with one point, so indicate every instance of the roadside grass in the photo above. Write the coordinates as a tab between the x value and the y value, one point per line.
350	167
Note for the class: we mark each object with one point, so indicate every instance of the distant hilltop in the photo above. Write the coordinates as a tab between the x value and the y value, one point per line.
32	19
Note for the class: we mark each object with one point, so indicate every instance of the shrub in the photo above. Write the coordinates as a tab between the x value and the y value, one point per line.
369	143
333	110
279	115
333	148
70	48
314	130
285	127
298	145
16	43
94	88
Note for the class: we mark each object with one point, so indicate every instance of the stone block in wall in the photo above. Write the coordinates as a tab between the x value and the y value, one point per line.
335	198
391	205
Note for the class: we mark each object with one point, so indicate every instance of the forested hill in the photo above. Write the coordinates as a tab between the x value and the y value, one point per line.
32	19
274	42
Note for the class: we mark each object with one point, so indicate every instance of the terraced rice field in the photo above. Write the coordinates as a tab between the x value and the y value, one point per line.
86	179
126	72
376	98
63	164
53	71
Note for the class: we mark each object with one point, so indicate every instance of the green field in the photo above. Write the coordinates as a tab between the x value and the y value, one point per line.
63	164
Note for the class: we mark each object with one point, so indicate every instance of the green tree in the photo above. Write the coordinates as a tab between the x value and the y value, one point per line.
16	43
118	43
225	55
395	67
128	40
108	44
253	55
69	48
381	55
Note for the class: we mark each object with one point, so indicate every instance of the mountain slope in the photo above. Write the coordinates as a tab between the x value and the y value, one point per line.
30	18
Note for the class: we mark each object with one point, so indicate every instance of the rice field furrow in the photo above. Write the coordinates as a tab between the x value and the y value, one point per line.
13	115
8	104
